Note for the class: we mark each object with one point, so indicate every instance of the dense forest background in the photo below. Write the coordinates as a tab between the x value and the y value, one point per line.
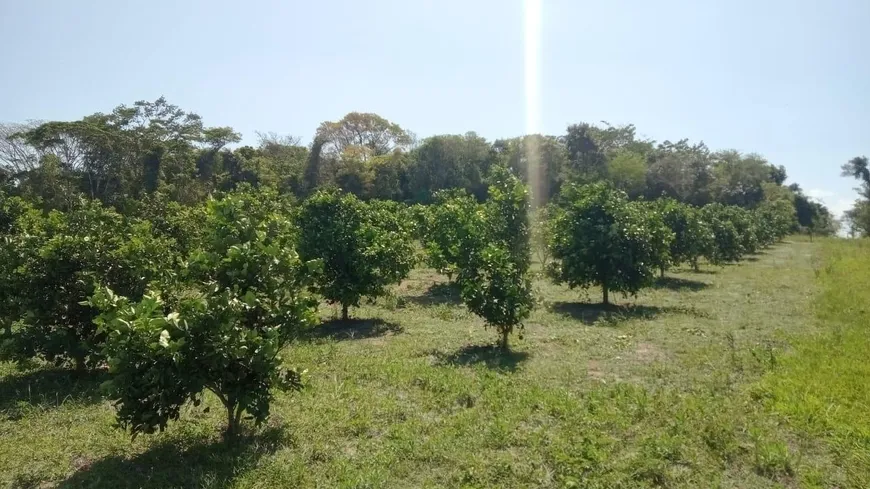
158	148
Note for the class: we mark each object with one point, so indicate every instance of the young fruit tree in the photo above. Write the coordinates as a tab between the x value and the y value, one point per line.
243	300
494	280
726	246
745	226
450	228
599	238
774	220
692	236
60	258
364	246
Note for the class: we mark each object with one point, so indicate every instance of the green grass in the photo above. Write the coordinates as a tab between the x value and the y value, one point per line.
823	389
700	382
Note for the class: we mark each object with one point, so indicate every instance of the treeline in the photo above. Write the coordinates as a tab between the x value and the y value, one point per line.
155	147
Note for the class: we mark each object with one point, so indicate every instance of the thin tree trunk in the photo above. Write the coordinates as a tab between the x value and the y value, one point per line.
232	425
344	313
662	271
695	264
606	294
504	339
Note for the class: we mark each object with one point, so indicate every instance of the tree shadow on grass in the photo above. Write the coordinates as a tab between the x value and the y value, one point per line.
438	294
354	329
704	271
47	388
674	283
490	356
180	463
610	314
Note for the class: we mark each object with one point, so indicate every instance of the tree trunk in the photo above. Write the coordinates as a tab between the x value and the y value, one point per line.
79	364
662	271
344	314
606	294
232	423
695	264
504	339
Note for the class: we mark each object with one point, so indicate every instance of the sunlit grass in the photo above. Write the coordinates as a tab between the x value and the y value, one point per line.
669	389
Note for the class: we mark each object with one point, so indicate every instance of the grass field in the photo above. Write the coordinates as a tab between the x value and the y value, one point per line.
749	376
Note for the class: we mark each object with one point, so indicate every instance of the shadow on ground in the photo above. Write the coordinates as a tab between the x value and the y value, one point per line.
437	294
354	329
180	463
674	283
47	389
490	356
610	314
702	271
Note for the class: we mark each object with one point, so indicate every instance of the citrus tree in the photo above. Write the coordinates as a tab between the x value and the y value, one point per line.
244	299
726	246
600	239
774	220
746	227
364	246
450	229
59	260
692	235
494	280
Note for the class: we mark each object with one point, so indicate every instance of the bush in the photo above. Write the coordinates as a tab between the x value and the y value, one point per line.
601	239
244	301
59	260
365	247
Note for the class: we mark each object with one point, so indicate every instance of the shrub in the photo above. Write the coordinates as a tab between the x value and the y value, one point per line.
244	301
364	247
601	239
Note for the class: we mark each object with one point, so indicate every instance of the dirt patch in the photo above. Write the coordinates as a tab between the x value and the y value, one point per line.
594	370
648	352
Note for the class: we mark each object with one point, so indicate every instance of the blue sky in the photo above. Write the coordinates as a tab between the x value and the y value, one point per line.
787	79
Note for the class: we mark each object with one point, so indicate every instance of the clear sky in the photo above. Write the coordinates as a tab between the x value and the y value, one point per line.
789	79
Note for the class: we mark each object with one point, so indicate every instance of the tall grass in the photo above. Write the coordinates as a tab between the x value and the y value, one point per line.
823	388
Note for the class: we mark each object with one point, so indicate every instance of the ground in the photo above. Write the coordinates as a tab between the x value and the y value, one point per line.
702	381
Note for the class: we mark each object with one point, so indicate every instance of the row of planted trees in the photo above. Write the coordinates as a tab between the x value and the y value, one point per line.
181	300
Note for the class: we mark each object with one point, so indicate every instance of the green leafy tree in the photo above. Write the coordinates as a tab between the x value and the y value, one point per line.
494	283
859	216
746	227
727	245
586	160
449	162
599	239
365	247
627	171
60	259
244	300
452	231
692	236
774	219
